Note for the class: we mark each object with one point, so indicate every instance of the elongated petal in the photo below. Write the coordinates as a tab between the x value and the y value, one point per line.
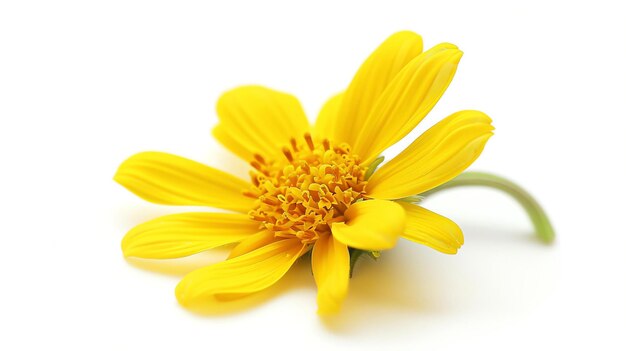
371	79
253	242
245	274
331	269
185	234
438	155
371	225
259	120
224	136
430	229
327	118
173	180
406	100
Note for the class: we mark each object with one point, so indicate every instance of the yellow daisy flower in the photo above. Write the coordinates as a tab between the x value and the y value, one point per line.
313	187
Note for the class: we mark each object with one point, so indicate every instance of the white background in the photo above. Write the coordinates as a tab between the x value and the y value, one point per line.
83	85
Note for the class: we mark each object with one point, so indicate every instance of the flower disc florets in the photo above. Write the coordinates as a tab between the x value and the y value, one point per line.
304	194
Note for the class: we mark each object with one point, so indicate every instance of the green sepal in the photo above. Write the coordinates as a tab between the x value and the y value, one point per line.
355	254
414	199
373	166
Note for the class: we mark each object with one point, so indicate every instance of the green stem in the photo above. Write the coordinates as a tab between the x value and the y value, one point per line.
537	215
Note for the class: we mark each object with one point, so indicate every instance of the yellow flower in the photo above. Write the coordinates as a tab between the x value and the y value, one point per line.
312	187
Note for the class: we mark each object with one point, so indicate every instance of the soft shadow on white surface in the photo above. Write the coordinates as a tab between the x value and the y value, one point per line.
502	275
179	266
379	295
134	211
299	277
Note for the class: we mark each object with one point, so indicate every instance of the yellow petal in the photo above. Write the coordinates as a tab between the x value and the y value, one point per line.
259	120
430	229
222	134
370	80
438	155
173	180
327	118
253	242
371	225
407	99
185	234
245	274
330	261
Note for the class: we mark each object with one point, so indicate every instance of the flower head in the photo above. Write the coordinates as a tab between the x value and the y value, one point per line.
313	188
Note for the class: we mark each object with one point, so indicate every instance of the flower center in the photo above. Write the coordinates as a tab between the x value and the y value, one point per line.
302	195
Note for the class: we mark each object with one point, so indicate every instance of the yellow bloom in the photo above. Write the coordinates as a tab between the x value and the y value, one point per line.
312	187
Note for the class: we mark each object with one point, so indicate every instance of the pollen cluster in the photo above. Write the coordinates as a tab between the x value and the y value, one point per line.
304	193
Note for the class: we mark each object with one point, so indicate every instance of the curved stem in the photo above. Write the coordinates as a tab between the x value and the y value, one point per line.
537	215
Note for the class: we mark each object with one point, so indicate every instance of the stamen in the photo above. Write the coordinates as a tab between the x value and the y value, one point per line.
337	219
257	217
250	193
309	141
326	144
294	145
302	195
288	154
259	158
256	166
269	200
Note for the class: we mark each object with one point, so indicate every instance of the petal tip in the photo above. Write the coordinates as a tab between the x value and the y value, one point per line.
409	34
182	293
328	306
126	249
326	312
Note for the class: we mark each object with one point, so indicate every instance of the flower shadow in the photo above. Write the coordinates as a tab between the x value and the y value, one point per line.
180	266
409	285
404	284
379	293
369	288
298	277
